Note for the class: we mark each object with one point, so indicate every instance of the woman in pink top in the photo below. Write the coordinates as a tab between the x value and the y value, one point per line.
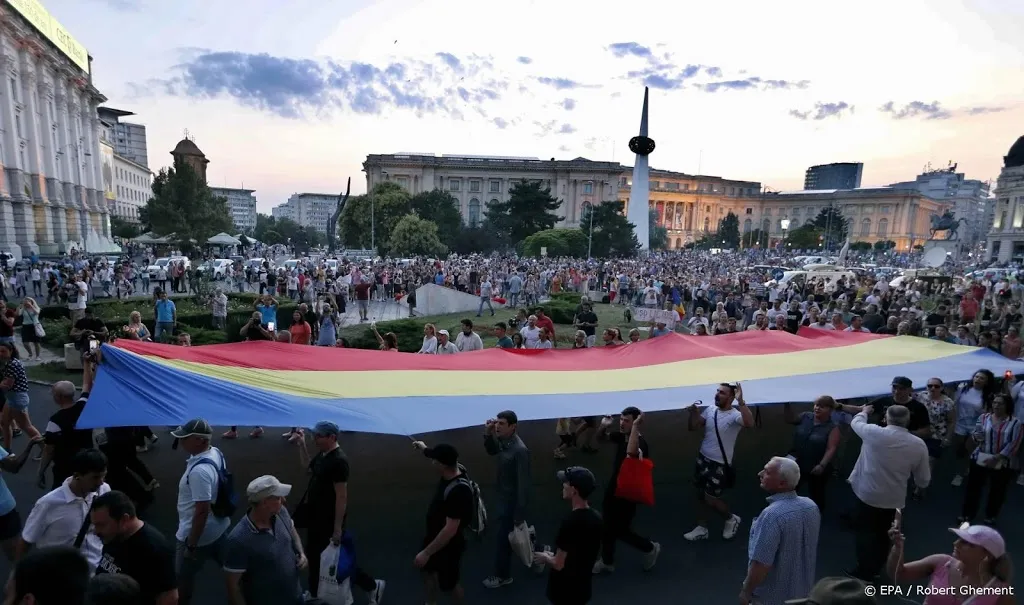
978	572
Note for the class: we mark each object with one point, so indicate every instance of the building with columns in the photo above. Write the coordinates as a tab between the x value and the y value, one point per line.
52	194
688	206
1006	239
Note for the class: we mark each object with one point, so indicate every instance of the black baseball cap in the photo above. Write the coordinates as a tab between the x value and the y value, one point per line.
197	426
579	477
903	382
443	453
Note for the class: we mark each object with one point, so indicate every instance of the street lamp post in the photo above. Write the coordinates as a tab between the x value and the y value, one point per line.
784	223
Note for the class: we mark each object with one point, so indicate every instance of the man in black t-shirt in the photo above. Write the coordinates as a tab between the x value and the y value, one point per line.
586	320
86	329
323	510
902	394
134	548
618	513
254	330
450	511
62	440
793	317
577	544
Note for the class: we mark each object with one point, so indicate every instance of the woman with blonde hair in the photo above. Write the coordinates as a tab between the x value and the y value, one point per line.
429	340
135	329
979	566
31	327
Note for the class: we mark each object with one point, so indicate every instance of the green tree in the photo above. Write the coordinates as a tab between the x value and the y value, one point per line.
530	209
413	236
613	235
473	239
123	229
729	231
833	225
860	246
658	234
183	204
556	242
272	238
805	237
244	241
386	204
885	244
442	209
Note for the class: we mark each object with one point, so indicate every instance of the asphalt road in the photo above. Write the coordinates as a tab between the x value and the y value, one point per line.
391	487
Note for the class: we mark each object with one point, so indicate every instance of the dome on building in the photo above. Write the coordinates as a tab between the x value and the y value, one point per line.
1015	157
187	147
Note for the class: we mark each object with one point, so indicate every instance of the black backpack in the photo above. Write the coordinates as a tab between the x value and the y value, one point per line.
226	502
477	523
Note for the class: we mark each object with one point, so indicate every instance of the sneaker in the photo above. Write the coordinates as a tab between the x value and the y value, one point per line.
697	533
377	593
957	481
496	582
230	435
152	440
256	433
652	557
287	435
601	567
141	449
731	527
297	436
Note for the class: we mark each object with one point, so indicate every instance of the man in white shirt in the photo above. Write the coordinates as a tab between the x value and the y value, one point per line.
201	534
468	340
444	344
80	293
61	517
889	456
857	325
530	333
715	472
485	296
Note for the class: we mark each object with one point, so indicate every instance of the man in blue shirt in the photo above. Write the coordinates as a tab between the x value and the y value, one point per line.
267	307
166	317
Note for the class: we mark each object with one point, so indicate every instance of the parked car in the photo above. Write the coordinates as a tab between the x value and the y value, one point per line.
160	263
216	268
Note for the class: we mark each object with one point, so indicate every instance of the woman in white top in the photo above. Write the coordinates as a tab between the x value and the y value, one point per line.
969	402
30	333
429	340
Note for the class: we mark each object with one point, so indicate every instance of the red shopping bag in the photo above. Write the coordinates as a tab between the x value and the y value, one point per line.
636	481
499	300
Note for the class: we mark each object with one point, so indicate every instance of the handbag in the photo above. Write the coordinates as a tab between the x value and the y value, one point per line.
729	478
636	481
40	332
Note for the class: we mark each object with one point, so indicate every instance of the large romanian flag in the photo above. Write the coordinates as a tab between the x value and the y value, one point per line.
275	384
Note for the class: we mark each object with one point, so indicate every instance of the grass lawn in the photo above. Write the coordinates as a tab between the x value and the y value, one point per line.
608	316
53	371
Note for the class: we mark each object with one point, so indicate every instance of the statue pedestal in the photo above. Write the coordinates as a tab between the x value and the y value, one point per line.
952	247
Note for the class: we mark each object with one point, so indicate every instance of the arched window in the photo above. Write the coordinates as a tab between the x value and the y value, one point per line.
766	225
707	223
883	227
679	242
865	227
474	212
809	222
747	226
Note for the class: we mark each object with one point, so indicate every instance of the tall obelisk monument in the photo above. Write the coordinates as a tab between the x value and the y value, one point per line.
638	211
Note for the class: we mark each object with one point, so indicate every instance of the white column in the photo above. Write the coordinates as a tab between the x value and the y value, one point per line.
49	146
15	163
35	149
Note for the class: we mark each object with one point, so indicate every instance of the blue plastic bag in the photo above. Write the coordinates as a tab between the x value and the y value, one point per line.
346	565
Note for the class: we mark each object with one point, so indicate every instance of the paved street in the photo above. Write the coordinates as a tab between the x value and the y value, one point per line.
391	486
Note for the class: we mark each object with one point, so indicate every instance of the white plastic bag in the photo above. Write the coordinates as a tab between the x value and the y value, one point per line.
330	591
521	540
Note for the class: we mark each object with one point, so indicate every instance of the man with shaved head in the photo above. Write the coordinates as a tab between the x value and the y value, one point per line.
62	439
783	539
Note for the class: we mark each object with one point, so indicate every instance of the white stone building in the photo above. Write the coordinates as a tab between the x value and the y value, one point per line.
52	196
241	207
310	210
1006	239
133	187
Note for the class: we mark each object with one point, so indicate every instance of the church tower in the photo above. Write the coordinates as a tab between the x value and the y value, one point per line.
187	151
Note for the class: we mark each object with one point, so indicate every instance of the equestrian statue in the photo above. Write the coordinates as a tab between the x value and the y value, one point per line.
946	223
332	231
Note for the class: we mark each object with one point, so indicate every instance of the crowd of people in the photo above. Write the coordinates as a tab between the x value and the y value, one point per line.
89	526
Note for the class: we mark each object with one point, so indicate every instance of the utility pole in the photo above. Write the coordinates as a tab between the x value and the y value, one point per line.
373	229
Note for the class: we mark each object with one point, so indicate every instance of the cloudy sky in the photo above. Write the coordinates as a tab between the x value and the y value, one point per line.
292	96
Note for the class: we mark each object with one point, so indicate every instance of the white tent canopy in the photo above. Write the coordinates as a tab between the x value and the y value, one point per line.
223	239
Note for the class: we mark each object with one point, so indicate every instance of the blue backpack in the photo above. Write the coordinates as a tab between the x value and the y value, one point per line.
226	502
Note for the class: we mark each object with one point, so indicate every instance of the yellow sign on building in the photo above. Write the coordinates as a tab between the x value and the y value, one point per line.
52	30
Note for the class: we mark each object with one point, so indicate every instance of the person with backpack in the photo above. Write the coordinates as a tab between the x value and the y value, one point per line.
451	512
206	501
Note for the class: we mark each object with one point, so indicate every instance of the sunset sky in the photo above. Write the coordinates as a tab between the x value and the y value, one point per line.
291	96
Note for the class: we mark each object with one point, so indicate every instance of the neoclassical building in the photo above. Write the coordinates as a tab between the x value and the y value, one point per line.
52	193
1006	239
686	205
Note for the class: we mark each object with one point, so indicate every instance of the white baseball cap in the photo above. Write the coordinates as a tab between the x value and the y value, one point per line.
265	487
